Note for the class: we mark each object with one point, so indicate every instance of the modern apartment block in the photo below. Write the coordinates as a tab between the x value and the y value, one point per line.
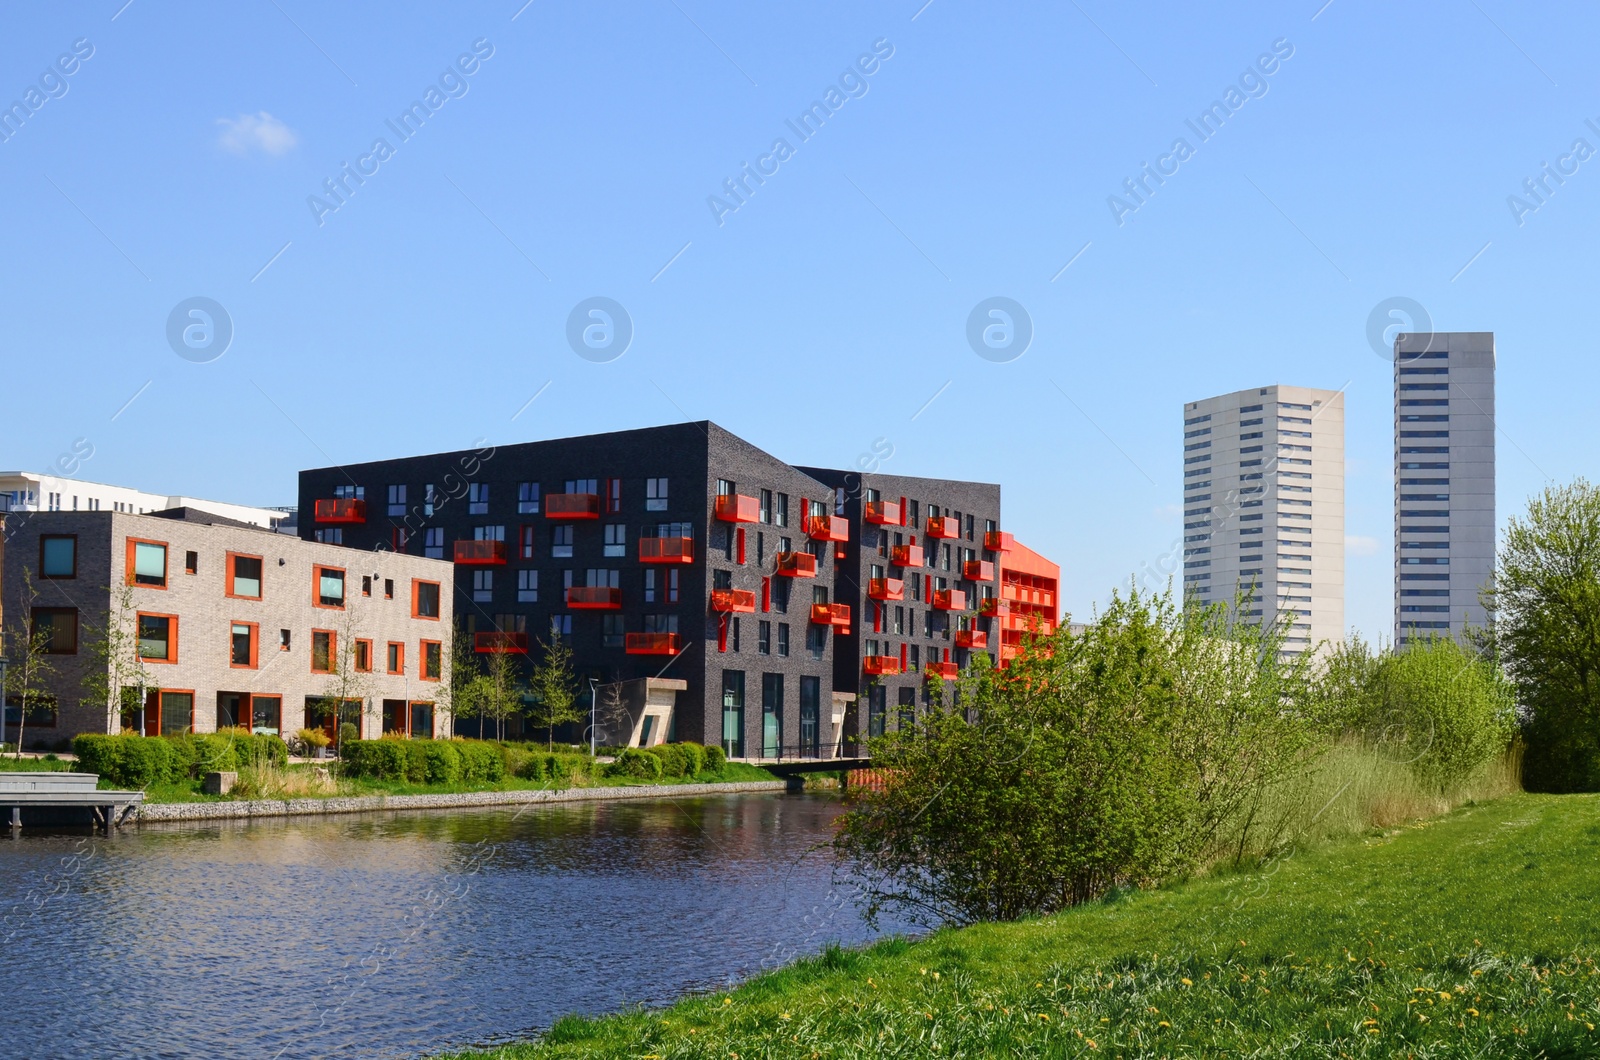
729	597
225	623
25	491
1444	528
1263	507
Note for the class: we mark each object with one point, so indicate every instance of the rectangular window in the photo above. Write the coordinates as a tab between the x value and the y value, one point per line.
528	498
388	588
57	627
766	506
771	715
397	500
322	651
488	533
333	535
58	556
764	638
242	645
329	587
424	599
363	659
527	586
733	713
734	630
877	710
816	640
616	538
176	713
783	639
780	509
649	586
433	542
611	631
158	638
655	494
477	498
561	625
396	658
284	637
810	717
147	563
350	492
561	542
613	495
483	586
525	542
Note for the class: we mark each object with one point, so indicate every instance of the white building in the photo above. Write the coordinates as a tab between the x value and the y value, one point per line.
1444	528
1263	507
24	491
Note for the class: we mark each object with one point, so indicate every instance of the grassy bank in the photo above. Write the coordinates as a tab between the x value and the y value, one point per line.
1472	935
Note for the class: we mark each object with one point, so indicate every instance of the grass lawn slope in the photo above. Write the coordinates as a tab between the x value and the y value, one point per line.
1472	935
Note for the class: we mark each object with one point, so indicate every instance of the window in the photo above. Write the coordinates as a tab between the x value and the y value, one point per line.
528	498
561	542
242	645
655	494
613	495
366	585
816	640
396	657
583	485
561	625
766	506
388	588
477	498
722	579
780	509
810	717
158	638
424	599
488	533
649	586
58	556
725	487
432	660
283	639
525	541
333	535
191	562
397	500
783	639
147	563
175	713
771	715
322	651
363	659
433	542
877	710
483	586
527	586
354	493
329	587
58	627
764	638
611	631
733	629
733	713
616	538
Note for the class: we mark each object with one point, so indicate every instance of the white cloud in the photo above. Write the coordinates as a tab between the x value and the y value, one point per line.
1358	545
256	132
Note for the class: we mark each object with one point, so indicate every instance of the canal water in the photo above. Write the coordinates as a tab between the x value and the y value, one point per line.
402	934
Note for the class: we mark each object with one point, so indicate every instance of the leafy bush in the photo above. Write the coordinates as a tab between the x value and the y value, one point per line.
128	761
481	761
378	759
349	732
635	762
694	759
716	758
1453	709
674	763
564	768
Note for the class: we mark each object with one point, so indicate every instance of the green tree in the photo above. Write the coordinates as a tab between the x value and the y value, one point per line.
28	677
117	678
497	690
555	689
1447	708
1546	604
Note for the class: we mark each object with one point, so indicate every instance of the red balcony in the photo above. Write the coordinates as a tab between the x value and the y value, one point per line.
341	510
978	570
944	526
997	541
594	598
881	665
827	528
733	601
651	644
907	556
883	513
971	638
797	565
886	589
993	607
481	553
831	614
666	550
949	600
733	508
572	506
500	643
947	670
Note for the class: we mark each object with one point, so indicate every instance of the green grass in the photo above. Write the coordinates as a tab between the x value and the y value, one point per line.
1475	934
8	764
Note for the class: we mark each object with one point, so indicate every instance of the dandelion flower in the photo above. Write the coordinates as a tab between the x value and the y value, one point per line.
1163	1023
1472	1012
1187	982
727	1001
1045	1016
784	1016
1090	1043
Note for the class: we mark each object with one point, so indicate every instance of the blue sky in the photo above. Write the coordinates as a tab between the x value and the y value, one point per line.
975	161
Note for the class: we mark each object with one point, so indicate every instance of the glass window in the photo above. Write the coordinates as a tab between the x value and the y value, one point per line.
616	539
764	638
611	631
156	640
877	710
177	712
363	658
58	556
780	509
243	645
424	599
246	576
766	506
396	661
330	587
477	498
783	639
433	542
266	713
528	498
149	564
322	647
422	720
432	660
528	586
771	715
655	494
397	500
483	586
810	717
816	640
733	713
583	485
57	627
561	542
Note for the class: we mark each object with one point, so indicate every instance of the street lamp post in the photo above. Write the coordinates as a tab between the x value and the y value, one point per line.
4	662
593	699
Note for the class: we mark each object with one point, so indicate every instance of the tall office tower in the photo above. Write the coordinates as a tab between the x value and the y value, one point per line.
1263	507
1443	480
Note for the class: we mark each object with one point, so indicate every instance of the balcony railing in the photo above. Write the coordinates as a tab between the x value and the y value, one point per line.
944	526
797	565
993	607
594	598
972	638
666	550
733	601
949	600
830	614
997	541
572	506
341	510
978	570
883	513
651	644
480	553
886	589
907	556
733	508
492	643
827	528
881	665
947	670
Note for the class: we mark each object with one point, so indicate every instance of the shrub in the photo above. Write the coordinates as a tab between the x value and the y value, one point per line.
312	737
694	757
481	761
521	761
378	759
674	763
441	762
634	762
348	733
565	767
1450	710
128	761
716	758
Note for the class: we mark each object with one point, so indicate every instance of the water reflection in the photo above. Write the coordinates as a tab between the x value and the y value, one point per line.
396	935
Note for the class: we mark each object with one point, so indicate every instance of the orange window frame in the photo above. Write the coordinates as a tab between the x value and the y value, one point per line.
316	586
172	636
255	646
333	651
228	560
416	586
128	562
363	645
152	717
422	661
399	648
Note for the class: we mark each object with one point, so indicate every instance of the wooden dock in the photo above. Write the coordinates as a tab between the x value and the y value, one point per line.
66	791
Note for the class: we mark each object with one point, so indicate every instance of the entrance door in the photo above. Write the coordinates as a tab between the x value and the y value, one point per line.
395	716
771	715
810	717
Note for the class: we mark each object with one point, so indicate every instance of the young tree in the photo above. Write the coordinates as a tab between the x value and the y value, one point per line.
29	674
460	695
555	689
350	683
117	677
498	690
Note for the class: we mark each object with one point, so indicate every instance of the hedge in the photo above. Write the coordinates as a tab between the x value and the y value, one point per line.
438	761
635	762
133	761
